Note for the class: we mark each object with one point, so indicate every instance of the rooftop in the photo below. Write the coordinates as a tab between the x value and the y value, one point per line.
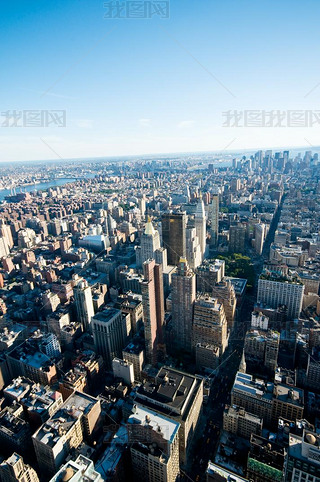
148	418
224	474
255	387
62	421
107	315
172	391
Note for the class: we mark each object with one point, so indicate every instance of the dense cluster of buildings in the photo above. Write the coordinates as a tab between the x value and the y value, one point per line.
120	298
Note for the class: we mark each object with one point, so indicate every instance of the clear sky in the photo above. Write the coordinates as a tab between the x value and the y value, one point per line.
155	85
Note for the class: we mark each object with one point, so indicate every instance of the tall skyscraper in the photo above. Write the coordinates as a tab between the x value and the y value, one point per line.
84	304
193	248
209	274
200	225
225	293
209	322
259	235
237	238
110	330
149	310
214	215
153	308
174	236
183	298
150	241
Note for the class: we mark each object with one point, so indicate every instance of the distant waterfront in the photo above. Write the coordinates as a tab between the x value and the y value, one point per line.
37	187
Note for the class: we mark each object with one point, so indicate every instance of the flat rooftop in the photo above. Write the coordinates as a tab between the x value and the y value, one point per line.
172	391
157	422
223	474
106	315
63	420
255	387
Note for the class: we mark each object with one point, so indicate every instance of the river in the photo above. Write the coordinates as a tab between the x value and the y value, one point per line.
37	187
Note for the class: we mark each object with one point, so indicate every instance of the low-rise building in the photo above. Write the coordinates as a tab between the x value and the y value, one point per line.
15	433
80	470
239	422
254	395
265	460
26	360
216	473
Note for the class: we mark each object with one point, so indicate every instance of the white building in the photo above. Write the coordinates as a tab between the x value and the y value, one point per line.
123	369
260	321
200	225
79	470
150	241
84	304
274	291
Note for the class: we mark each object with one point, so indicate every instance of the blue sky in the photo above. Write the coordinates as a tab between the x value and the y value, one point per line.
153	85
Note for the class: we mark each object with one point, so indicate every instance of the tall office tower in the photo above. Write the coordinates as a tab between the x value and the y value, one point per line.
183	298
272	350
225	294
154	445
174	235
150	241
149	310
235	184
153	308
193	248
259	235
237	237
208	274
303	457
110	332
84	304
209	323
15	470
142	206
187	192
214	216
159	289
200	225
160	257
275	290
